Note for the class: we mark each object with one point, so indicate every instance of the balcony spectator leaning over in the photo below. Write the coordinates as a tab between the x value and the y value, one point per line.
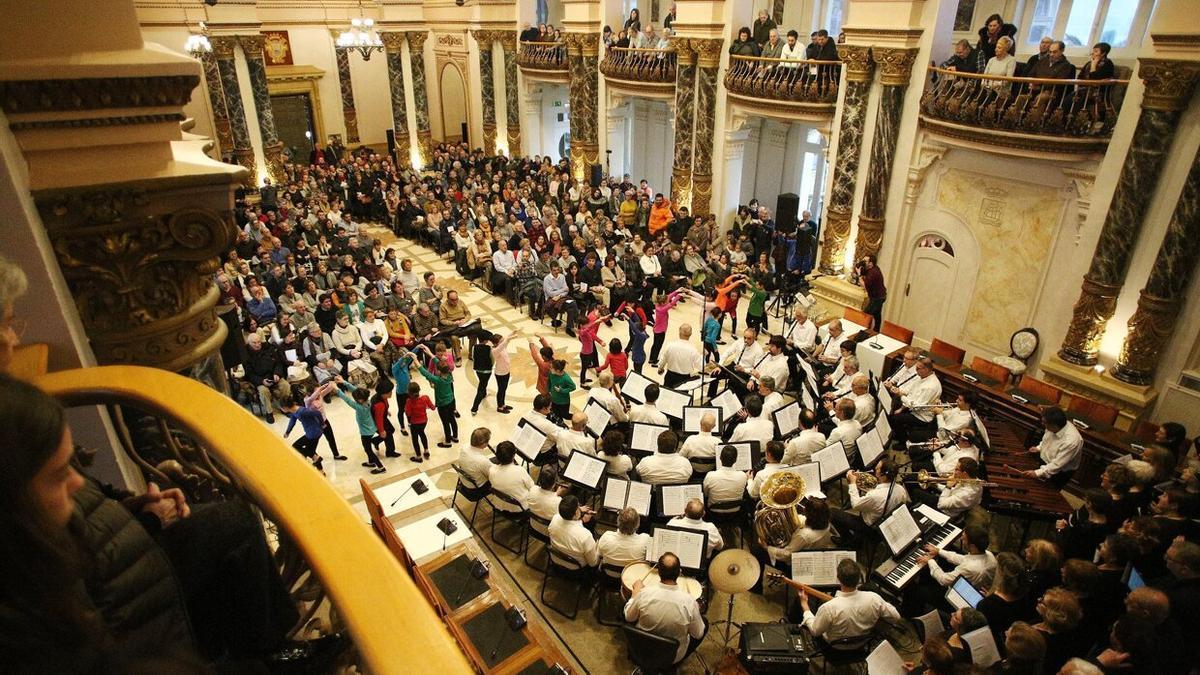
773	47
744	45
963	60
989	37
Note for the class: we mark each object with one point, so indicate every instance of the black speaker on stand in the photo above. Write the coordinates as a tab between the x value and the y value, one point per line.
391	140
787	208
597	174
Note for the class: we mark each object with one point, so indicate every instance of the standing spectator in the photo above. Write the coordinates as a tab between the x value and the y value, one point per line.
633	24
989	36
763	26
872	281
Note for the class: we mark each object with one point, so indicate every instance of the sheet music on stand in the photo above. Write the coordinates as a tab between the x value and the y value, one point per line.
690	386
692	415
819	568
672	403
885	660
528	439
810	402
811	473
620	493
748	455
688	545
832	459
635	385
645	437
936	517
598	416
884	425
676	497
885	400
729	403
899	529
584	470
787	418
870	447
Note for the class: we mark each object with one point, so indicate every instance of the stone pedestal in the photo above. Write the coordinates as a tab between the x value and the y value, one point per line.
833	296
1133	402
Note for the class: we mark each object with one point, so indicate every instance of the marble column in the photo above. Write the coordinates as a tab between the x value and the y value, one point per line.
349	113
416	52
895	68
252	45
216	99
708	60
584	49
685	116
1158	306
575	68
512	106
857	65
225	51
1169	86
487	83
394	45
777	11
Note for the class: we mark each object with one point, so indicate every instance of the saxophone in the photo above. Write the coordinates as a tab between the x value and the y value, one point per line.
776	520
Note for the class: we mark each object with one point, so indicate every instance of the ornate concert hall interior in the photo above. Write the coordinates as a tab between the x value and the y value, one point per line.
600	336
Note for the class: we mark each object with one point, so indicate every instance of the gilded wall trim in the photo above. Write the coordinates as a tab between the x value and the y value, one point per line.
96	93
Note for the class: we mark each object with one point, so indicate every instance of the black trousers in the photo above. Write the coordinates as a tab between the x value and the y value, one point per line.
484	376
875	309
908	427
659	339
327	431
672	379
501	389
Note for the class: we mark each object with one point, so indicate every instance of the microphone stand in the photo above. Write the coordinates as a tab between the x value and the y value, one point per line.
397	500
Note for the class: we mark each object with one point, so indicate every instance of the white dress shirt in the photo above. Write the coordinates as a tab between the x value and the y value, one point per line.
740	355
544	425
876	502
1060	451
760	429
905	378
959	499
790	53
977	568
610	402
702	445
755	486
618	464
618	548
475	463
829	348
946	460
661	469
802	335
849	615
504	262
650	265
715	541
864	408
926	391
569	440
803	539
573	539
953	418
543	503
649	414
726	484
846	431
775	366
513	481
800	449
667	611
772	402
680	357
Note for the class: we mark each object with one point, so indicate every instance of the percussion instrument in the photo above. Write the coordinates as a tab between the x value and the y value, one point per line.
733	570
648	575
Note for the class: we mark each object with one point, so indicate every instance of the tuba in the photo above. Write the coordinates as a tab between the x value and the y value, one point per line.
775	520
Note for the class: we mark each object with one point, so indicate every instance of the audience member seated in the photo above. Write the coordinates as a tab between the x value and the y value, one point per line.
1060	613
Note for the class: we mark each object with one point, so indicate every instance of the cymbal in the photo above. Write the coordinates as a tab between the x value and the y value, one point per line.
735	570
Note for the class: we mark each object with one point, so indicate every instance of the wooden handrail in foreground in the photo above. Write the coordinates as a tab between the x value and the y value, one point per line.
393	627
801	62
640	49
1027	80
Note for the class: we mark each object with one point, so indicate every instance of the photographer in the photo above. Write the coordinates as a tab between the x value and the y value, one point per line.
872	280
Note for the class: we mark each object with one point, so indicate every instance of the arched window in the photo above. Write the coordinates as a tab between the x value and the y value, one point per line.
936	242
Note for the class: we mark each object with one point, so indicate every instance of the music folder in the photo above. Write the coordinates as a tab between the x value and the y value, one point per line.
675	497
819	568
748	454
584	470
811	473
528	439
644	437
787	419
672	403
870	448
833	461
635	385
620	493
884	425
692	414
598	417
689	545
729	403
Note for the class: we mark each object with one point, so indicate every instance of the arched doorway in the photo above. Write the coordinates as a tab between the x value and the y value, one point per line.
932	275
454	103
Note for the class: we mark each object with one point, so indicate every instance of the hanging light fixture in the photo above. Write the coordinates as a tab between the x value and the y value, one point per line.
198	44
361	37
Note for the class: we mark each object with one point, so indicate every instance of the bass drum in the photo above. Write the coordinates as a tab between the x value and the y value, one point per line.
644	572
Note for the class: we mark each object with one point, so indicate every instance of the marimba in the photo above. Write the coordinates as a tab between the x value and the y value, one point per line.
1016	494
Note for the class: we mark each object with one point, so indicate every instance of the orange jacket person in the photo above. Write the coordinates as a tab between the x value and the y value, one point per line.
660	215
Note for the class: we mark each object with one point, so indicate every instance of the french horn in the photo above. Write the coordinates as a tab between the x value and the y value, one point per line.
776	520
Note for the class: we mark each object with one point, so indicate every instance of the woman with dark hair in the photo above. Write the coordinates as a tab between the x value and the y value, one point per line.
634	23
1173	437
993	29
1081	533
744	45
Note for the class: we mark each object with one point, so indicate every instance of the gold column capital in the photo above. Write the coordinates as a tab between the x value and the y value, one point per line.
1169	83
683	51
224	46
252	45
484	38
857	60
895	64
708	51
393	41
508	41
417	38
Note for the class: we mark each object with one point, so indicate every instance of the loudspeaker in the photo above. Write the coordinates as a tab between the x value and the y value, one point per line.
391	140
787	208
597	175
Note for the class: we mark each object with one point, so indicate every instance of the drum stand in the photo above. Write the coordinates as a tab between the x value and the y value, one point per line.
732	571
732	627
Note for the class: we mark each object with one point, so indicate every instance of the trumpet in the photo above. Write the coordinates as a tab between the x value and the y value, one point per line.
928	406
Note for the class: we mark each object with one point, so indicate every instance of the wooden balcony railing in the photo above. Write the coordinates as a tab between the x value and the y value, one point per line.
543	56
784	80
183	434
640	65
1082	110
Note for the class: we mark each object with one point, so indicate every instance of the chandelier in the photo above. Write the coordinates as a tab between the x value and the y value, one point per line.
361	36
197	43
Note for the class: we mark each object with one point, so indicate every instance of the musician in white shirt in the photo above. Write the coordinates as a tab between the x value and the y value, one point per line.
575	438
905	377
741	357
851	613
568	534
612	451
667	466
963	496
624	545
666	609
846	429
772	399
774	364
960	416
946	460
774	453
757	426
813	533
508	478
539	418
680	359
864	403
603	394
648	412
702	445
1060	449
829	349
800	449
726	484
802	334
474	460
693	519
866	510
977	565
914	422
837	383
543	499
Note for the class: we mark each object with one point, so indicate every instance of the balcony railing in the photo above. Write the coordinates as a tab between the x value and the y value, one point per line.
640	65
1081	113
543	56
181	433
797	82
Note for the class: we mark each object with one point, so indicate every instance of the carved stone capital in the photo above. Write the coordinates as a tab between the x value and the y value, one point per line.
252	45
1169	83
895	65
857	60
683	50
224	46
485	38
1096	305
708	51
393	41
508	41
1150	329
417	38
833	247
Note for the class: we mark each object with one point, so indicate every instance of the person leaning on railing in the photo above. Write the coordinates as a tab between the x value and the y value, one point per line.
744	45
1002	64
